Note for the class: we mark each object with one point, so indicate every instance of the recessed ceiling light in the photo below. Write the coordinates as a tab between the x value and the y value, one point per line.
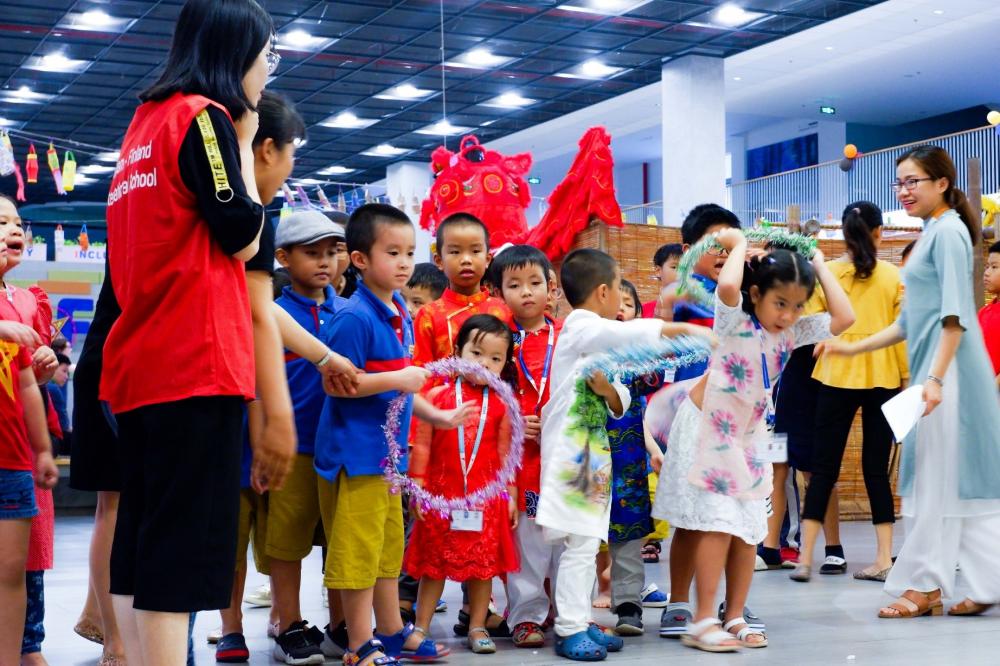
443	128
56	62
336	170
598	70
731	15
298	39
5	123
108	157
737	78
306	181
96	18
827	110
939	12
510	100
404	92
385	150
95	168
347	120
479	58
829	48
606	7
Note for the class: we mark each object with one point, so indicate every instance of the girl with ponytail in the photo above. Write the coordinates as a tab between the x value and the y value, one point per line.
874	288
950	468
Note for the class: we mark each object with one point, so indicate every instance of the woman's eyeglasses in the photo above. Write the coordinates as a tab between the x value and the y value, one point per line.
273	60
907	184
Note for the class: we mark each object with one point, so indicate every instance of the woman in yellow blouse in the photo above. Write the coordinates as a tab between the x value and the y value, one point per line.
866	381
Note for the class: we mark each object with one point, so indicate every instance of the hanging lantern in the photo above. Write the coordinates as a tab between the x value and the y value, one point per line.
6	148
69	171
53	158
286	210
289	197
341	202
31	164
84	239
7	162
323	201
303	197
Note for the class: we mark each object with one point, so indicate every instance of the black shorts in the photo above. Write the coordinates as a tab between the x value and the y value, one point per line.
175	541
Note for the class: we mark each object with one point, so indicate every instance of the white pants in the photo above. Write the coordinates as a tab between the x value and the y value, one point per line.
577	575
935	545
526	595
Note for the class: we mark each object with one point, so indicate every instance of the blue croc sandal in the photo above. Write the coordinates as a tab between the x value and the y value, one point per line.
367	650
427	651
581	647
609	642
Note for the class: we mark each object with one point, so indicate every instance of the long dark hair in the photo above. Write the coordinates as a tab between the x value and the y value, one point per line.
776	267
477	326
279	121
215	44
859	222
937	163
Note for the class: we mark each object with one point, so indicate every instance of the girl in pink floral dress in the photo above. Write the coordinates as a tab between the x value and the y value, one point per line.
714	480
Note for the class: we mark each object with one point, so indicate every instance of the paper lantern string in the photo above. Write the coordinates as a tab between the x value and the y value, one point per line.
804	245
53	158
495	489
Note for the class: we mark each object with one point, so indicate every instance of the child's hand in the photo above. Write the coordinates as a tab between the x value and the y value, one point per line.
512	511
600	385
46	472
415	509
833	347
701	332
340	377
450	419
656	460
730	238
45	364
19	334
412	379
532	427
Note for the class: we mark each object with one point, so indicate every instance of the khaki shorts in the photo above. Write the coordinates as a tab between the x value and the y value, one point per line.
252	529
293	512
364	527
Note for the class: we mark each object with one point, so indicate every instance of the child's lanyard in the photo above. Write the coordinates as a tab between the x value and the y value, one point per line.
546	366
769	416
461	433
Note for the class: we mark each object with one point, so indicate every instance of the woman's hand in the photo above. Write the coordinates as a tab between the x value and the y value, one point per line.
834	347
246	128
932	396
818	258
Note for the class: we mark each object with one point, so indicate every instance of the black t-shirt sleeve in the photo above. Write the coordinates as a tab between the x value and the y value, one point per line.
234	223
264	259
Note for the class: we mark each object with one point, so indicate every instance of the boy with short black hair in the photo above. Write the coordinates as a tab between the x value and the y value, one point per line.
426	285
362	517
989	316
307	248
665	260
574	504
462	251
521	273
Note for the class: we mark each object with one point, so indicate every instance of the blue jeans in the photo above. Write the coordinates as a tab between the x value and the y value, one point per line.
17	495
34	627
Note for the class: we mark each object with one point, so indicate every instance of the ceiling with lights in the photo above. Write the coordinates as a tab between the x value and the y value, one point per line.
377	81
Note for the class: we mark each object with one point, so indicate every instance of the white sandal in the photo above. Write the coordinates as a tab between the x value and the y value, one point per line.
743	633
705	636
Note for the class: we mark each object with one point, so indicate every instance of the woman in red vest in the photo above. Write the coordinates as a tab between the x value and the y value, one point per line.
183	216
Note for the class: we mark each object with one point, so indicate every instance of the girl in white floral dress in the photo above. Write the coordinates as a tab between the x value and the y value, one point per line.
713	482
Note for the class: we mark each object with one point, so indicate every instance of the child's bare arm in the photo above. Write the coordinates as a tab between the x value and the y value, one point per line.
46	473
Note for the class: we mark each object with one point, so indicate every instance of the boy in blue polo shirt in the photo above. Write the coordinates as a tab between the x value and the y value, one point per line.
307	248
363	519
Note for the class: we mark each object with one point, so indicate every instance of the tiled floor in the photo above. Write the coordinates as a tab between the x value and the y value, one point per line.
830	621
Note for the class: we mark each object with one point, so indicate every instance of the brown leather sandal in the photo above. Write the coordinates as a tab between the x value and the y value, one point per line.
969	607
913	604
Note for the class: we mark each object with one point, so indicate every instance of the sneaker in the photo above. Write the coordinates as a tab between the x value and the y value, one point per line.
442	606
334	643
674	620
629	620
325	594
759	564
768	559
214	636
273	629
753	621
652	597
789	557
295	647
232	649
260	598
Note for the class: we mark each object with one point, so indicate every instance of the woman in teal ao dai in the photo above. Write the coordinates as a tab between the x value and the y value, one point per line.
950	470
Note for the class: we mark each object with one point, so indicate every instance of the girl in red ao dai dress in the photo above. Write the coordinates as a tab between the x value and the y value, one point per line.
473	549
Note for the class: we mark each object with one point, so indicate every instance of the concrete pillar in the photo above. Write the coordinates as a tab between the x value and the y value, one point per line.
694	135
407	185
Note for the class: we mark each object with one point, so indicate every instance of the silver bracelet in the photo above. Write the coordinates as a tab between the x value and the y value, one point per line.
937	380
326	359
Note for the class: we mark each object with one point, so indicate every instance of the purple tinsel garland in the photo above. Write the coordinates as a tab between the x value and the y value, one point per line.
497	488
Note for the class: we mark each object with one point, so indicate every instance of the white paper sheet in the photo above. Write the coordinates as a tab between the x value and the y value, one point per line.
904	410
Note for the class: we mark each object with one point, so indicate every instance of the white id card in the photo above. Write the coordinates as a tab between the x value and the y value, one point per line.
774	448
467	521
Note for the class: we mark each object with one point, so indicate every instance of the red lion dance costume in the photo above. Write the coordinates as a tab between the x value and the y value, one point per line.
490	186
483	183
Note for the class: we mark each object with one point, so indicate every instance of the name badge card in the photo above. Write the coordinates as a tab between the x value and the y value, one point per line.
467	521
